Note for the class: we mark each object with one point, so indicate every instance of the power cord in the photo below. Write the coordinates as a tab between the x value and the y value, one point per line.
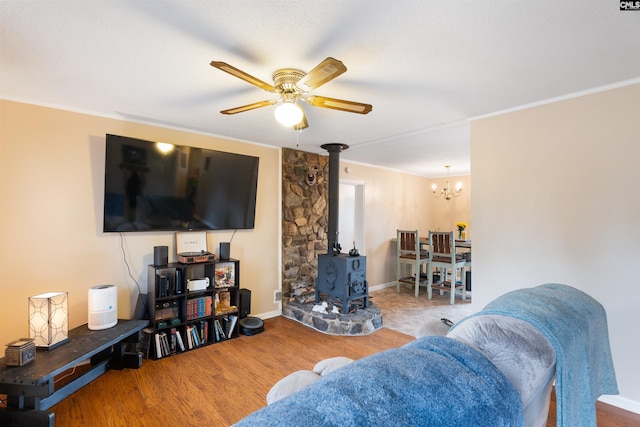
73	371
124	259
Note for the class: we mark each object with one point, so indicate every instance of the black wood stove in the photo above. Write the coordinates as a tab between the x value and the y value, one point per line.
340	275
343	276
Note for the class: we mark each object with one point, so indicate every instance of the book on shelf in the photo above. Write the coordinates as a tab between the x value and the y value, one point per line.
166	348
147	342
179	341
162	285
219	330
158	346
189	337
199	307
194	335
233	320
203	329
225	325
174	341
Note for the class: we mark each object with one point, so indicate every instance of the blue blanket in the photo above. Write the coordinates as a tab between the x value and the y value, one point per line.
576	326
434	381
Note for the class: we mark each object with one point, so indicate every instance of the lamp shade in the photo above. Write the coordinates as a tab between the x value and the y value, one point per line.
49	319
288	114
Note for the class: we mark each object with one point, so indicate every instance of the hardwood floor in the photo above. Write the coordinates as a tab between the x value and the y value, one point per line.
219	384
608	415
215	385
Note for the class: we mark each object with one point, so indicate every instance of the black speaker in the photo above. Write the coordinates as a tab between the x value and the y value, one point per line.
225	250
245	302
141	312
160	256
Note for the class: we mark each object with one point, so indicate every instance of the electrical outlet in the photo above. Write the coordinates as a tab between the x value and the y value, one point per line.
277	296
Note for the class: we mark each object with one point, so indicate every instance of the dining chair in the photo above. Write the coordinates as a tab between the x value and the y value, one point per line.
408	252
443	256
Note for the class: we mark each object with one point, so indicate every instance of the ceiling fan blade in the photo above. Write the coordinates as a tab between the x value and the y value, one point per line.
248	107
223	66
326	71
303	123
339	104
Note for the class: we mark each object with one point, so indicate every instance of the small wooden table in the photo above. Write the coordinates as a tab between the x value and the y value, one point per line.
31	389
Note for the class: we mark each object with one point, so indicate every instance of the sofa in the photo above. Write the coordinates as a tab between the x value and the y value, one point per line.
493	368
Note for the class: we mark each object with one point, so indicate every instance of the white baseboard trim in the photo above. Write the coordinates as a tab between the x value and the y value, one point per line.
621	402
381	286
268	315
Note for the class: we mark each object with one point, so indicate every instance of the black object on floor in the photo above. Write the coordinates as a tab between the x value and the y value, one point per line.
251	325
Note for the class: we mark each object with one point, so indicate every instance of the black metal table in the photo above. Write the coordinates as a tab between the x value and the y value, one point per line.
31	388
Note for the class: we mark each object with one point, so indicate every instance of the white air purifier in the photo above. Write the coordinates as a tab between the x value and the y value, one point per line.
103	307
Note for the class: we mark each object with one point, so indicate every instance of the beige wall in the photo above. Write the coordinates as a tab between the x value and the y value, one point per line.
51	186
395	200
556	200
446	213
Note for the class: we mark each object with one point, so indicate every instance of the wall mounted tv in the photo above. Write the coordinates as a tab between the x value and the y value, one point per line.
152	186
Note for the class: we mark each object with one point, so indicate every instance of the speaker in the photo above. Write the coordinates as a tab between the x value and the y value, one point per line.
225	250
141	312
103	307
160	256
245	302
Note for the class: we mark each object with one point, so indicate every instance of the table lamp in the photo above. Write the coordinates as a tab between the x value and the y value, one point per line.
49	319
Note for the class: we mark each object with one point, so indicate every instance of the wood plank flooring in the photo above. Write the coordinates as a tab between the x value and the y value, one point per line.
608	415
215	385
219	384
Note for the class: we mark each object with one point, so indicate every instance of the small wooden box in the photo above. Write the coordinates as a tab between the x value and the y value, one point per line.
20	352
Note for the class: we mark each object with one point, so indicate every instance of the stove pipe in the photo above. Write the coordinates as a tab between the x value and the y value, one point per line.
334	150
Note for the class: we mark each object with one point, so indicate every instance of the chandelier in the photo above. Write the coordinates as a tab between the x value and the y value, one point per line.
446	193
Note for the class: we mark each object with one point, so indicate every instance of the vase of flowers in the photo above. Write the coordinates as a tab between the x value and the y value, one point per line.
462	233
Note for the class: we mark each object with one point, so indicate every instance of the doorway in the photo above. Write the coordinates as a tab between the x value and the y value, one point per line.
351	216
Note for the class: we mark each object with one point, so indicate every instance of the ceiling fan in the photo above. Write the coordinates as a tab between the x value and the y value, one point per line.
292	85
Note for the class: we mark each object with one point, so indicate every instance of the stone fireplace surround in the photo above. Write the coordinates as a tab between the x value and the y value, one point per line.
304	237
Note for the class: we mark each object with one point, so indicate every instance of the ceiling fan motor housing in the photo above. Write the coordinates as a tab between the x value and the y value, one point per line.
285	80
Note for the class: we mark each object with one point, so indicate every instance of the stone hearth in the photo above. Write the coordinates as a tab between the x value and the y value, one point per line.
362	321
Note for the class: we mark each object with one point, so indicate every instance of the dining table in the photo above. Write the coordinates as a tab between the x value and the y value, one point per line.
424	243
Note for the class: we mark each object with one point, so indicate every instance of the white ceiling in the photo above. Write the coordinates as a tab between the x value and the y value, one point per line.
427	67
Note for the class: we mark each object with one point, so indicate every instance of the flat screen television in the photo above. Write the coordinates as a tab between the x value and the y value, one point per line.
154	186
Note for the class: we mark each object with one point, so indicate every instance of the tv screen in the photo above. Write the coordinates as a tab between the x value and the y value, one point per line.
151	186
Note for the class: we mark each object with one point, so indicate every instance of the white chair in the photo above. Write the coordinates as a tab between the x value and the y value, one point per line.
443	256
408	252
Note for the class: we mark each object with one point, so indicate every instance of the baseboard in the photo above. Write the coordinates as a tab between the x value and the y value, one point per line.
381	286
268	315
621	402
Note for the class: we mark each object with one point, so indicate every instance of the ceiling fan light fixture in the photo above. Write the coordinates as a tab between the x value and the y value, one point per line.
292	84
288	113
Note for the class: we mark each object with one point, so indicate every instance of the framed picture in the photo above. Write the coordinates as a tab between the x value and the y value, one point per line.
225	274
